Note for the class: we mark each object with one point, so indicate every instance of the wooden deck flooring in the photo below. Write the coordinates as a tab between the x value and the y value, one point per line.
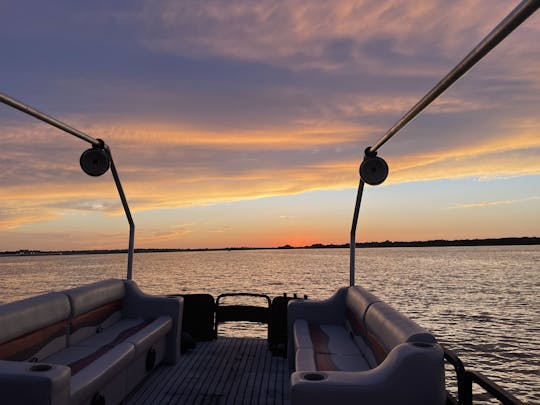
226	371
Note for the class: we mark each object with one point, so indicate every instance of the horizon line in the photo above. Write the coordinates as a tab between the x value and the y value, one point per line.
510	241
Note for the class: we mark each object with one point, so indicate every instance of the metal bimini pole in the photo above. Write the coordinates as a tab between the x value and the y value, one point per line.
523	11
98	145
4	98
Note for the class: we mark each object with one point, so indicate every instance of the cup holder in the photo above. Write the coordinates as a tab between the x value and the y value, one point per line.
423	345
314	377
40	367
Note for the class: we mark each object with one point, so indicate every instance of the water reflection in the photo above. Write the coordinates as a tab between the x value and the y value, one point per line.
480	301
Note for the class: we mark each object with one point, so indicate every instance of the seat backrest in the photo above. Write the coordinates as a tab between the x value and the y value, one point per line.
34	328
93	307
386	328
357	301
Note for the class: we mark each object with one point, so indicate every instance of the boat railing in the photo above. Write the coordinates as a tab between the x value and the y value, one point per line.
241	312
465	380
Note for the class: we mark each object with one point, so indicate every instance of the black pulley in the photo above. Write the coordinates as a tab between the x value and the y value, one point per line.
95	161
373	170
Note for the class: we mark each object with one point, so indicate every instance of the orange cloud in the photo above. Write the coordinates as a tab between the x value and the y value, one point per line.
202	183
14	216
274	138
508	155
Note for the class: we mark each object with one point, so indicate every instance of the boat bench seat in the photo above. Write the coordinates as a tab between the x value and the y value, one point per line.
354	348
86	344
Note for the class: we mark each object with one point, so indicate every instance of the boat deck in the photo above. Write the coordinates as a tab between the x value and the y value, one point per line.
224	371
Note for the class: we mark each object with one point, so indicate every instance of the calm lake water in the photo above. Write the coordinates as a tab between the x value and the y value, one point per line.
482	302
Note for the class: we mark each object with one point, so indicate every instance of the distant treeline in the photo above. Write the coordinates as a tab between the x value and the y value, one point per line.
435	243
388	243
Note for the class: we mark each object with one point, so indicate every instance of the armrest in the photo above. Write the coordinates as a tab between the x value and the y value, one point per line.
19	384
140	305
331	310
409	375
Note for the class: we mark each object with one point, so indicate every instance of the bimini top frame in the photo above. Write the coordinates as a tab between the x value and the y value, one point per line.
94	162
373	169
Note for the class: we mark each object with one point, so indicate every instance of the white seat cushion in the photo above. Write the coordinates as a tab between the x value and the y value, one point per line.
341	362
115	333
327	347
338	340
323	338
150	334
305	360
95	375
302	337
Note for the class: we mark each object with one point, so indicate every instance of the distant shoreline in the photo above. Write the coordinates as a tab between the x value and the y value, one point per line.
428	243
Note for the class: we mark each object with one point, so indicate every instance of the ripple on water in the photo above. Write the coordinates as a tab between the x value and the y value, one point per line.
479	301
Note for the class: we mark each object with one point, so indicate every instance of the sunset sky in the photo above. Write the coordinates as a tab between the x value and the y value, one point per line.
242	123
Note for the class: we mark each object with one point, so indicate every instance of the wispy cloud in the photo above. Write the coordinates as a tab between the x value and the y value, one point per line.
171	233
88	205
320	34
483	204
